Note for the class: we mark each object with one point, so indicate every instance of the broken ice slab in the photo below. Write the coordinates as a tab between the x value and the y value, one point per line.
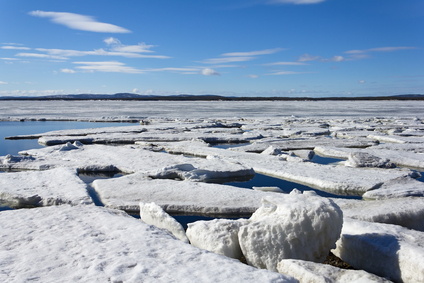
43	188
400	158
128	159
177	197
334	179
308	271
302	143
95	244
407	212
389	251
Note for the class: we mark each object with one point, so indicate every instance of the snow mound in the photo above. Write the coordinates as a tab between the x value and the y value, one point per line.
387	250
219	236
153	214
95	244
298	226
268	189
307	271
43	188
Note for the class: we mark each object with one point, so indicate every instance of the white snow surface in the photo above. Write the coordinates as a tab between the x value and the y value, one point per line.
387	250
178	196
397	188
153	214
296	226
308	271
219	236
94	244
43	188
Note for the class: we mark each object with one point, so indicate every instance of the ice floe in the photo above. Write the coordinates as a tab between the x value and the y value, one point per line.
95	244
177	196
386	250
43	188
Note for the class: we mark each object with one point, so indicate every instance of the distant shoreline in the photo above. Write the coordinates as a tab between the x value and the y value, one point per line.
136	97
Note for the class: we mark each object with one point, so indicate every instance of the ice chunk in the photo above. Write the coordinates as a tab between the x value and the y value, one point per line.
268	189
95	244
397	188
153	214
297	226
272	151
363	159
219	236
50	187
406	212
307	271
69	146
387	250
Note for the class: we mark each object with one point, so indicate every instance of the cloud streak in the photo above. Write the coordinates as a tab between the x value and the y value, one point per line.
106	67
79	22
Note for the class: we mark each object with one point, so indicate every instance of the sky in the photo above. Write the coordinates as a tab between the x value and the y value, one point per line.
287	48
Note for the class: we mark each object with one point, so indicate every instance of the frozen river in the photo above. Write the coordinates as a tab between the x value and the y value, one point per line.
206	109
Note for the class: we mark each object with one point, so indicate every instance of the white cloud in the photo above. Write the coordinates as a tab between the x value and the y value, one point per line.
79	22
307	58
296	2
253	53
107	66
116	45
41	56
280	73
68	71
361	81
253	76
10	47
3	83
209	72
380	49
225	60
286	64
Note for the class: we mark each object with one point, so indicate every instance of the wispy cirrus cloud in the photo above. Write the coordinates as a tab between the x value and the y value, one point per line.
286	64
79	22
105	66
115	48
12	47
381	49
3	83
232	57
281	73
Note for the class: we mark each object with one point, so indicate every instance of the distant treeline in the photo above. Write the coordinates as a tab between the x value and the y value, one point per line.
137	97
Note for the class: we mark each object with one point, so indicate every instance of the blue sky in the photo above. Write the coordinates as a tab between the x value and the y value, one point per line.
315	48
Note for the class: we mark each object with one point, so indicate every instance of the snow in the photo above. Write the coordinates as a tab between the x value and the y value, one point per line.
387	250
177	196
153	214
334	179
94	244
407	212
397	188
158	165
307	271
219	236
298	226
50	187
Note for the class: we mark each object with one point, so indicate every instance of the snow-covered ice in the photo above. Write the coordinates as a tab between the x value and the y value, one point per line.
43	188
169	157
153	214
298	226
307	271
219	236
177	196
387	250
95	244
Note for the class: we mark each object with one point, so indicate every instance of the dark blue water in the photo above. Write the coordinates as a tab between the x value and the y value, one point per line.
8	129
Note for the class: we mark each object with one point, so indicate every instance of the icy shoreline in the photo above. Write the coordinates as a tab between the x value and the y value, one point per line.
170	161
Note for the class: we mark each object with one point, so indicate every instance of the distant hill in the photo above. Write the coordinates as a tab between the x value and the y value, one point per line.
188	97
